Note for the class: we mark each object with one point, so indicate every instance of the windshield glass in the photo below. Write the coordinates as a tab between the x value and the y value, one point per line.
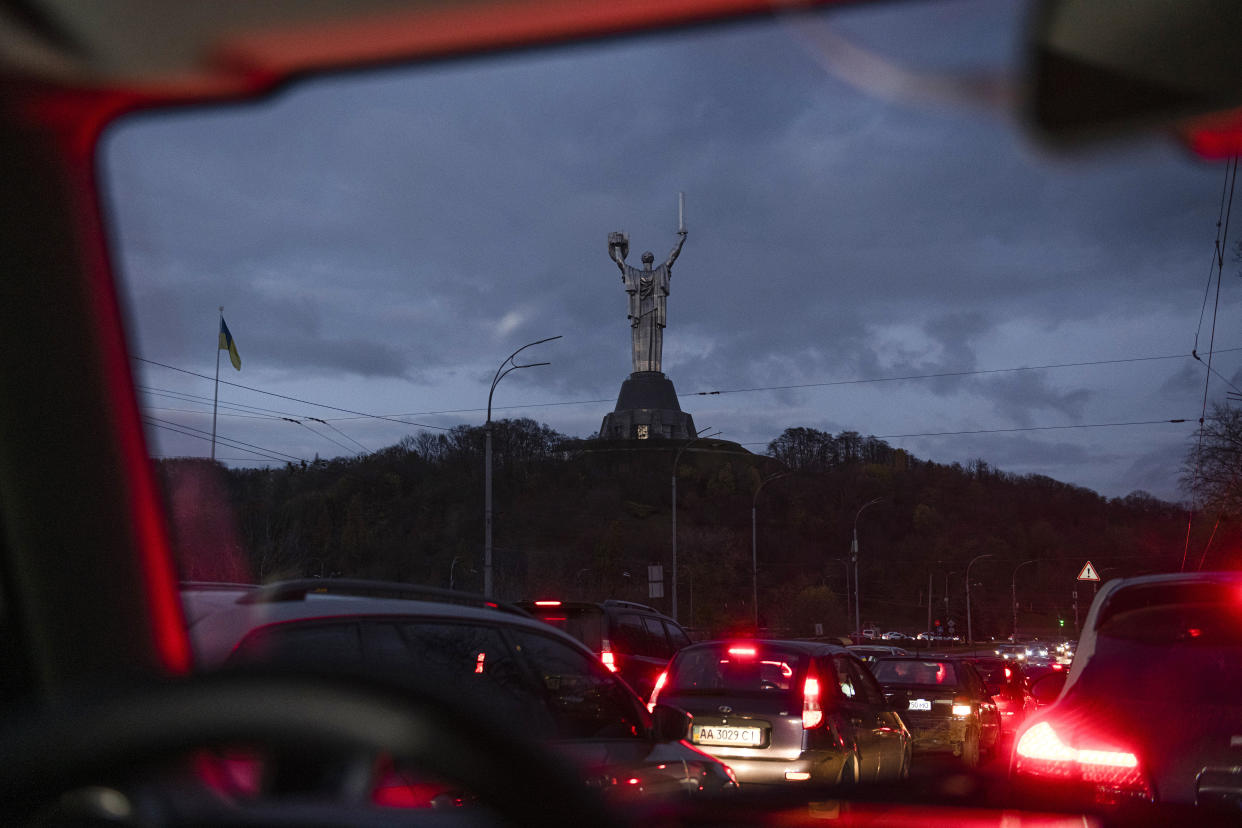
741	668
915	672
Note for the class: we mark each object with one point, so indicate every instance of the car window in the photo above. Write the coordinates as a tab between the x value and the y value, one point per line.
941	673
676	636
586	700
657	640
331	646
736	668
865	684
630	636
846	679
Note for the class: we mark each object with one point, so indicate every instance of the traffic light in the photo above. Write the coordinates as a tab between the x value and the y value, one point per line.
1061	621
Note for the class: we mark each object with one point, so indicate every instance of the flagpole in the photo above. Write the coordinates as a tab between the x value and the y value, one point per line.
216	398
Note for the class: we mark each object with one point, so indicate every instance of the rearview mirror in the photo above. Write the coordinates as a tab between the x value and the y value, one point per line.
1099	66
671	723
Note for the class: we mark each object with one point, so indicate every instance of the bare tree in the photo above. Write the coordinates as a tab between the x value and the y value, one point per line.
1212	470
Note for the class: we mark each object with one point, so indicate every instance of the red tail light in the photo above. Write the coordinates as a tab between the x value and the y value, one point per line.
812	713
547	603
610	661
1042	751
655	691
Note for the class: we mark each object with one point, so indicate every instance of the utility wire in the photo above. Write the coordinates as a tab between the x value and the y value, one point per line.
1005	430
270	454
336	443
292	399
1222	237
343	434
861	381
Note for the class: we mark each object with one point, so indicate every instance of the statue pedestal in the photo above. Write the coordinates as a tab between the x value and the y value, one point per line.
647	409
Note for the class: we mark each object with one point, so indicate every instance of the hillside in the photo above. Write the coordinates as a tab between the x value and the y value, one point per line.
579	519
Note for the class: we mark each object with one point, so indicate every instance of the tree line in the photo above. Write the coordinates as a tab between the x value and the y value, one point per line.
583	519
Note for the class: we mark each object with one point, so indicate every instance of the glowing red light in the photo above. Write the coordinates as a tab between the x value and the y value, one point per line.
1195	632
547	603
478	662
610	660
655	691
633	780
742	651
812	716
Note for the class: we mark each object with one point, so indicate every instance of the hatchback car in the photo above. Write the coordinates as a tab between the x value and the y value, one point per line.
787	711
1150	708
510	669
631	639
944	702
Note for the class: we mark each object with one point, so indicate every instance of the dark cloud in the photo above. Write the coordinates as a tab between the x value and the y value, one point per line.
389	238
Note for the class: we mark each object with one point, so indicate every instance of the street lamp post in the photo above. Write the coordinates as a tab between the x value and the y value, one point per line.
501	373
1013	597
754	544
970	637
676	460
854	558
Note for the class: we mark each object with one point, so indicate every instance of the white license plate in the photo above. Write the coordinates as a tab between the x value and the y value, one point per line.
725	735
920	704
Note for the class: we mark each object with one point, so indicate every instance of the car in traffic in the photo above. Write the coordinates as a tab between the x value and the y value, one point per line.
944	702
633	640
870	652
1150	709
1006	682
781	712
511	670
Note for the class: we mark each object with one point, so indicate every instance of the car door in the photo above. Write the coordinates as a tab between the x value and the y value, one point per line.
891	736
861	717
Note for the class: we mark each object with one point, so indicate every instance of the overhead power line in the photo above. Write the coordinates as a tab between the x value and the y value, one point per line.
1008	430
292	399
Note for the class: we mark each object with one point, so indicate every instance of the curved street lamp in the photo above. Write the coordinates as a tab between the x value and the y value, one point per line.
1013	597
854	558
754	546
969	630
501	373
676	460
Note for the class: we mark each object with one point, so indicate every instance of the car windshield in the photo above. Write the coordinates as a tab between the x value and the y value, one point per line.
785	329
735	669
915	672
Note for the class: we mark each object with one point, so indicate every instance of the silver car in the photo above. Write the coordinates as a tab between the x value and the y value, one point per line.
782	712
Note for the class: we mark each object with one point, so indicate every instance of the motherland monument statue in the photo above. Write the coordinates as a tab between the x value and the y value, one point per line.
647	406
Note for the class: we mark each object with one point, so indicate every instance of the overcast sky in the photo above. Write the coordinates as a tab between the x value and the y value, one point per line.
381	242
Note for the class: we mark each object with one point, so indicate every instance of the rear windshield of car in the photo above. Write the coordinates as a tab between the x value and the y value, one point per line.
736	668
1189	653
915	672
584	623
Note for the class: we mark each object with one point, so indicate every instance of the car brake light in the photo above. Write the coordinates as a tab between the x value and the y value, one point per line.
812	715
1042	752
547	603
962	706
655	691
610	660
742	651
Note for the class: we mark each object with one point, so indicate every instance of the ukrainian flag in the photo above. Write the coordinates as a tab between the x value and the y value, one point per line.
227	344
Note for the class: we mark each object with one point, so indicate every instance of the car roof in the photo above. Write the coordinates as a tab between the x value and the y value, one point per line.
220	616
797	645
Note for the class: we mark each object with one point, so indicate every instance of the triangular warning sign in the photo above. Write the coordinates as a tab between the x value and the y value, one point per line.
1088	573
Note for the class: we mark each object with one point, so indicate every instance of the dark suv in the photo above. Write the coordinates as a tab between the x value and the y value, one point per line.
631	639
493	659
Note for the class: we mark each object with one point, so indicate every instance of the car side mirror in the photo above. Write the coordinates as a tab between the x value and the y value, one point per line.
1046	689
671	723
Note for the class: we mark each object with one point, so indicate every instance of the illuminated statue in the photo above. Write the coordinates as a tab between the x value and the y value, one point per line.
648	291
